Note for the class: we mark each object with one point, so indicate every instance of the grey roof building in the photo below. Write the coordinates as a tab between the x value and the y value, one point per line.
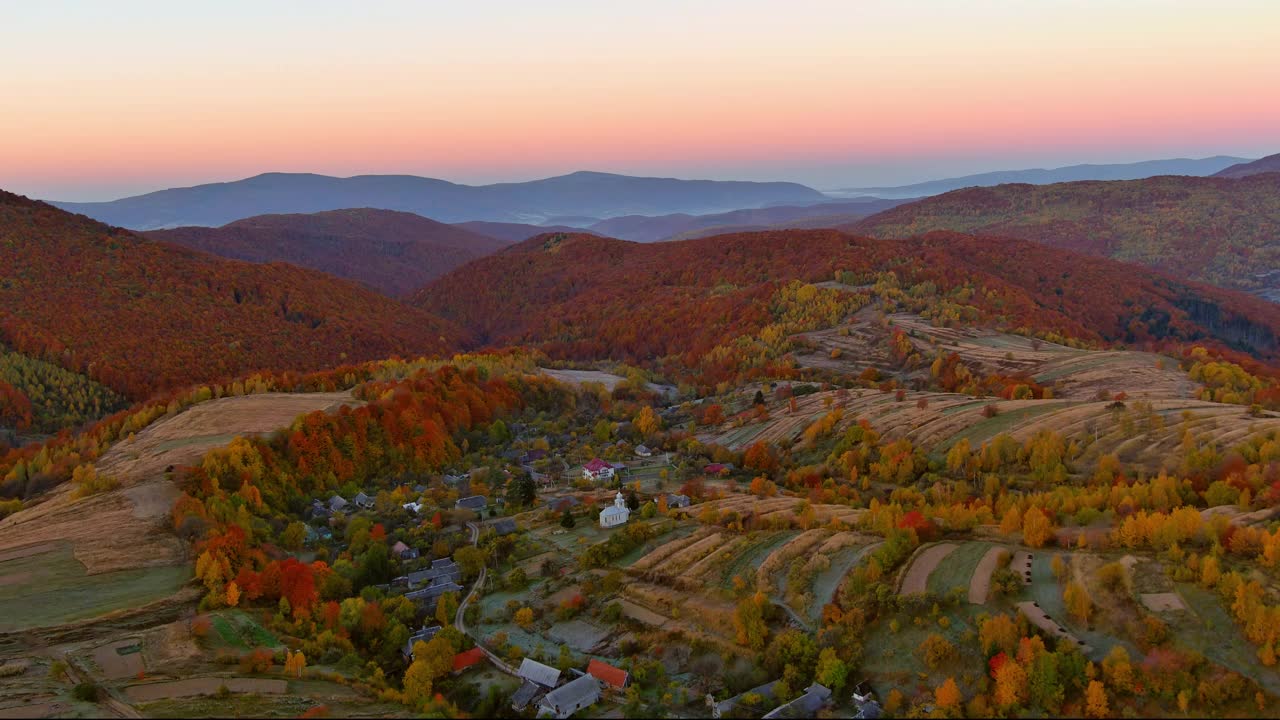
570	698
534	671
423	635
473	502
527	693
362	500
336	503
505	526
806	706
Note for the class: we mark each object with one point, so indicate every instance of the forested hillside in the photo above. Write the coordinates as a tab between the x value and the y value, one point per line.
139	315
392	252
1215	230
581	296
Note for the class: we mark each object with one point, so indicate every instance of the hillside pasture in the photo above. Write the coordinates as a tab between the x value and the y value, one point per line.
45	585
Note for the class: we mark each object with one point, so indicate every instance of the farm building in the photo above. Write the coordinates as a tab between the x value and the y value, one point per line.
528	692
475	503
815	697
536	672
423	635
678	501
612	677
570	698
643	451
616	514
404	552
598	471
466	659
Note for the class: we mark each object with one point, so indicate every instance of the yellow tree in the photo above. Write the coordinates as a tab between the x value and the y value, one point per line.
947	697
1095	700
233	594
1011	685
1077	600
1012	521
1036	527
647	421
524	617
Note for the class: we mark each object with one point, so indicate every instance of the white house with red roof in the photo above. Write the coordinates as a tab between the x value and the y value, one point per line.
597	470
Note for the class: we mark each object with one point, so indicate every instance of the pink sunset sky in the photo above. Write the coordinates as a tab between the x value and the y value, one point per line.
103	100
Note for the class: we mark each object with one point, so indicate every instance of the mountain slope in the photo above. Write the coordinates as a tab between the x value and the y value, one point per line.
582	193
1209	229
140	315
511	232
1268	164
1040	176
644	228
393	252
583	296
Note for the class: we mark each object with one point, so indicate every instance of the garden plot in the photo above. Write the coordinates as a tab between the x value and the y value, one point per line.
959	568
1163	602
119	660
772	574
579	635
916	580
149	692
659	555
1209	629
1046	593
827	583
749	559
980	583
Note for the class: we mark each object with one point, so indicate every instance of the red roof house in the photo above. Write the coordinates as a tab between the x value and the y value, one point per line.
597	470
464	660
615	678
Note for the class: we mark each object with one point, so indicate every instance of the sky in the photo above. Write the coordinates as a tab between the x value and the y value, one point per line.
102	100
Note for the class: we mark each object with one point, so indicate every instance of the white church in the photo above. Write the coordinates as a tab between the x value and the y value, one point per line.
617	514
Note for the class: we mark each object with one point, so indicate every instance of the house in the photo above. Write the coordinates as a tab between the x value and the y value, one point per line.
419	489
570	698
678	501
564	503
643	451
466	659
430	594
598	470
475	503
612	677
862	692
505	526
362	501
404	552
423	635
528	692
815	697
413	507
536	672
616	514
336	503
441	569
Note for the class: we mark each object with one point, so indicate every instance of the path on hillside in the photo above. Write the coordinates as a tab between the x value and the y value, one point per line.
459	619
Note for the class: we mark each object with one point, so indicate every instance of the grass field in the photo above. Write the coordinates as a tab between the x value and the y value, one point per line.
1209	630
235	629
957	568
52	588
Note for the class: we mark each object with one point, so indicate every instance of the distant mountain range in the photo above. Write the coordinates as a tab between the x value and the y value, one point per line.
589	194
1123	171
1215	230
390	251
1270	163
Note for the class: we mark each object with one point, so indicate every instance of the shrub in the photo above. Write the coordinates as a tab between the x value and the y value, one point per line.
86	692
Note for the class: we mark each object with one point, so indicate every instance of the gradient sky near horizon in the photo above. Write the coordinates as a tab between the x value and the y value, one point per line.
102	100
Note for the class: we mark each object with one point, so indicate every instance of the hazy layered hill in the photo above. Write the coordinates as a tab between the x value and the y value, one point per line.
583	296
642	228
1215	230
141	315
1268	164
1042	176
599	195
393	252
512	232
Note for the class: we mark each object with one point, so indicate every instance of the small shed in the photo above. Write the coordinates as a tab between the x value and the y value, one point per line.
614	678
